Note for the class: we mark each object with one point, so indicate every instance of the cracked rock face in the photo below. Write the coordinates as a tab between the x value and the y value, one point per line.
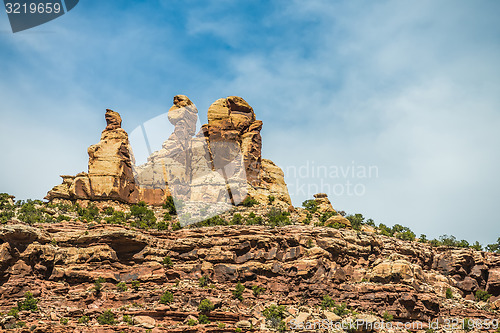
295	265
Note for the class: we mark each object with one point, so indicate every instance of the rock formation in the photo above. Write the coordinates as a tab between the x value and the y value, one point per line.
109	174
295	265
220	164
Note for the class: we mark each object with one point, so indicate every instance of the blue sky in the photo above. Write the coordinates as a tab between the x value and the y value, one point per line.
410	87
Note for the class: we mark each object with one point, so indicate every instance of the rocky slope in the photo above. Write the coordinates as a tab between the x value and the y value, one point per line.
294	266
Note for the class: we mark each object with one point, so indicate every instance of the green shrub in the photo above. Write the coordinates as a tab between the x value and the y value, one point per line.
98	284
325	216
203	281
311	205
482	295
495	248
423	238
468	325
116	217
270	199
327	302
171	204
356	221
387	316
162	225
29	303
167	262
257	290
274	315
192	322
122	286
64	321
109	211
5	201
144	218
476	246
176	226
254	220
238	291
212	221
136	284
14	312
21	324
449	293
6	216
237	219
205	306
167	217
221	325
249	202
91	213
238	330
277	218
167	298
28	212
83	320
106	318
127	319
341	310
203	319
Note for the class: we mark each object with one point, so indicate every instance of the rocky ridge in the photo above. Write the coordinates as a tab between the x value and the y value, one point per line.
295	266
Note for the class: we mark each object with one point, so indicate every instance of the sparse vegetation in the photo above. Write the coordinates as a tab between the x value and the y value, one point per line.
122	286
249	202
482	295
136	284
167	298
238	291
449	293
127	319
176	226
277	218
387	316
84	320
98	284
106	318
203	281
29	303
143	217
192	322
257	290
327	302
311	205
64	321
274	315
203	319
270	199
167	262
205	306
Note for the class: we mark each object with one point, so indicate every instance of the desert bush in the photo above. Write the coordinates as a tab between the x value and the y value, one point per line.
106	318
277	218
136	284
83	320
238	291
122	286
167	298
387	316
237	219
192	322
64	321
203	281
310	205
203	319
127	319
327	302
356	221
205	306
167	262
91	213
494	247
274	315
482	295
116	217
176	226
449	293
249	202
29	303
98	284
270	199
253	219
144	218
257	290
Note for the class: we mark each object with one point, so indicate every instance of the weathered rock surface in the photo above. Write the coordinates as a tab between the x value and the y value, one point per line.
110	175
222	163
297	266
